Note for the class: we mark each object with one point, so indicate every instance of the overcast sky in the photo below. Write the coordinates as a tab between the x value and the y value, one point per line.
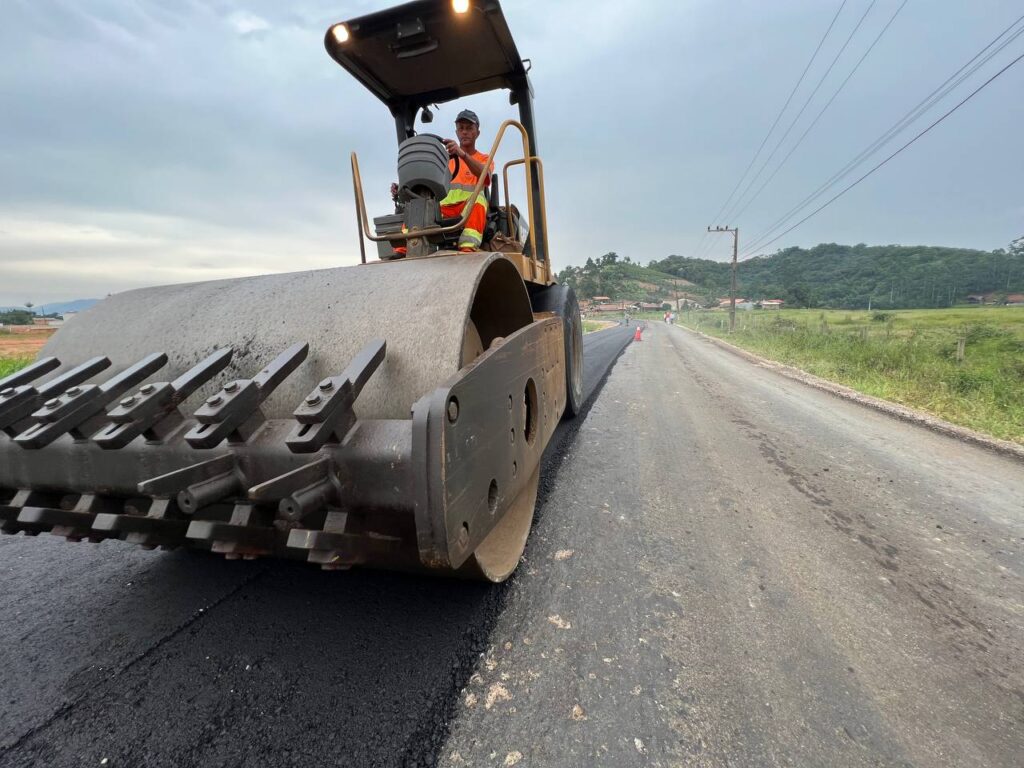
155	142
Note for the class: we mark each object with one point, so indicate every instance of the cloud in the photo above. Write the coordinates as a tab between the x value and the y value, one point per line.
152	142
248	23
66	258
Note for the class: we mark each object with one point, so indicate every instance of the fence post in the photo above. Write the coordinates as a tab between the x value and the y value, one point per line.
961	344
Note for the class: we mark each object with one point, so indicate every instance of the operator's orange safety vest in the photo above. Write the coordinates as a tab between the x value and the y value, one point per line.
454	202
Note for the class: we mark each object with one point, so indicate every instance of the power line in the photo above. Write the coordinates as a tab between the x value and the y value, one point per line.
912	116
822	112
778	117
924	106
807	102
890	157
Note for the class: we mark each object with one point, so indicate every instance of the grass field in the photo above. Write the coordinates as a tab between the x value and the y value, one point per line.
907	356
589	326
19	349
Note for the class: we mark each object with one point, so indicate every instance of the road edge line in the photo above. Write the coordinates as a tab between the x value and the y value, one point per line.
895	410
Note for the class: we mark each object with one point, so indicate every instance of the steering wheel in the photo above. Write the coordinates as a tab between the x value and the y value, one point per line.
458	163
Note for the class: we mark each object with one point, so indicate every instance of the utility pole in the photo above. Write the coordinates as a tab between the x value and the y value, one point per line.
732	291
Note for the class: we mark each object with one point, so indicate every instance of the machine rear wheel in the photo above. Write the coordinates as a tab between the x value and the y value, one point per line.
561	299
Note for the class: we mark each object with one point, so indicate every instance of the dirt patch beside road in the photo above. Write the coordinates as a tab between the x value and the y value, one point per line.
25	344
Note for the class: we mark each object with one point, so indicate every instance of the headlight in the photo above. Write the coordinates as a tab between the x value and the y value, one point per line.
341	33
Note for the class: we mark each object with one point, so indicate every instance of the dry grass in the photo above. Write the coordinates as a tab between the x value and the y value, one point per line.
23	345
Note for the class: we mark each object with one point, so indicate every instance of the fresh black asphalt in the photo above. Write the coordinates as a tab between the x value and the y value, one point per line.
113	656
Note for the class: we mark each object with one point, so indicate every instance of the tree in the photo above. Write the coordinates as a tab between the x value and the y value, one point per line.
16	317
800	295
589	286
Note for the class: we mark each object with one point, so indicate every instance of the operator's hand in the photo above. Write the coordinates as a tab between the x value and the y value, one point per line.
454	150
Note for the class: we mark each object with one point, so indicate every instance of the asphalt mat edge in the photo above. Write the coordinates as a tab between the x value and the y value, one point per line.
426	744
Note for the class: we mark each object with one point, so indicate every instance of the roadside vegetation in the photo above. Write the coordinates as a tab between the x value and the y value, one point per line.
589	326
9	365
19	349
965	365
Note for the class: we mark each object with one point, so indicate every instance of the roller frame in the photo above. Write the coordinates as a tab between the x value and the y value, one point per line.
403	493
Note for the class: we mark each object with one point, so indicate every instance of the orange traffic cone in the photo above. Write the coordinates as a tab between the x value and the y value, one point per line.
636	336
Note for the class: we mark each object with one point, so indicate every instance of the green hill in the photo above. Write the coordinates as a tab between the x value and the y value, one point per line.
620	279
847	276
827	275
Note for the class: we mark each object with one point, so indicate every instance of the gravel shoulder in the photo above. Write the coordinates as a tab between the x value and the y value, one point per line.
896	410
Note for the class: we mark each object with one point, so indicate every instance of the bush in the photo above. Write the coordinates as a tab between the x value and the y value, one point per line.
980	331
964	382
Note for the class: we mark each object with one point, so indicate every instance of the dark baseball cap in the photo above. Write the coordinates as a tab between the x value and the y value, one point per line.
470	115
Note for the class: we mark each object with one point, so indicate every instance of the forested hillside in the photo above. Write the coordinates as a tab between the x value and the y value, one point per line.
619	278
828	275
831	275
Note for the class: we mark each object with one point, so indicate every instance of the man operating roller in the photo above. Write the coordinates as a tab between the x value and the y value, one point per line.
472	164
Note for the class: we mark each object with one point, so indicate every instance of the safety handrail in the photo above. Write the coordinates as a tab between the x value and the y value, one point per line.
543	198
363	221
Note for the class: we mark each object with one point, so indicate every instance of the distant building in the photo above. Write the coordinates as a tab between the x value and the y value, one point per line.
727	302
618	307
994	297
771	303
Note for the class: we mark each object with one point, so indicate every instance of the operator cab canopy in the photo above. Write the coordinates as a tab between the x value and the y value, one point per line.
428	52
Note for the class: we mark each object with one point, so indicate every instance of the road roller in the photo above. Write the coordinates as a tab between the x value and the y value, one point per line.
390	414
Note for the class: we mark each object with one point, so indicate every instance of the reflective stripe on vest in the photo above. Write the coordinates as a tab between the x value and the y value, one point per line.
461	196
465	181
470	237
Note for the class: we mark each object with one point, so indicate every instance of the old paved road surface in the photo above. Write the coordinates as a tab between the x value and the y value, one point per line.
728	568
734	569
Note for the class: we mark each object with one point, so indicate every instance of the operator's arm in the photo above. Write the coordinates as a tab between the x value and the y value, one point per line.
474	165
